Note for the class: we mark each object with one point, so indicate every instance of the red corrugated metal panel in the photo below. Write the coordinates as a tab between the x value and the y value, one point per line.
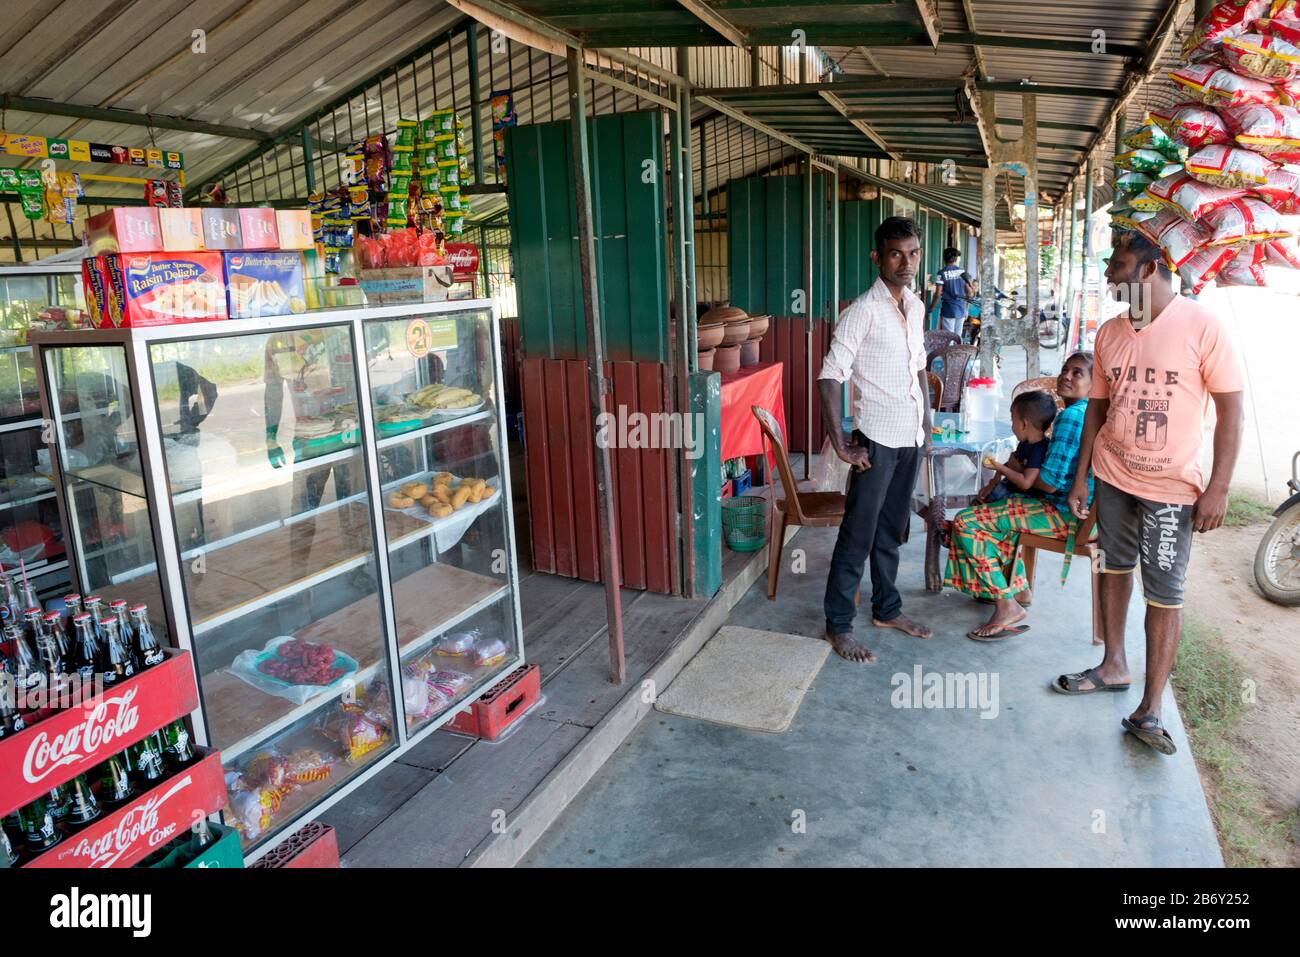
560	472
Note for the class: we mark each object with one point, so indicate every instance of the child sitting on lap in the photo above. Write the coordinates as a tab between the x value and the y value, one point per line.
1031	416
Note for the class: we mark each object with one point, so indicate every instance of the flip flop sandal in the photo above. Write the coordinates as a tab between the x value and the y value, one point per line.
1150	732
1009	632
1072	683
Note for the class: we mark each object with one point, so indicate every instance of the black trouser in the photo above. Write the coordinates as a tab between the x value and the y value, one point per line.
876	514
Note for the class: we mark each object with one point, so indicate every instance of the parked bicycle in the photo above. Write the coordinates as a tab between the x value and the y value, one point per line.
1277	562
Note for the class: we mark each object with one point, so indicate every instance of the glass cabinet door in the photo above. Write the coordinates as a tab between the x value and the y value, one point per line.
272	510
433	390
100	459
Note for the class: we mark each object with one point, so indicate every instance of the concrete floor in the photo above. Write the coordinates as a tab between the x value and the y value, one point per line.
856	781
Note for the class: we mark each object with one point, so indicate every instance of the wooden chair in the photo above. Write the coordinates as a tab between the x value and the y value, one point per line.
936	340
1085	545
936	391
810	509
956	362
1047	383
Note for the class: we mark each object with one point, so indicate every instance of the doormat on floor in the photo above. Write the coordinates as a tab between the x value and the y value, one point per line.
746	678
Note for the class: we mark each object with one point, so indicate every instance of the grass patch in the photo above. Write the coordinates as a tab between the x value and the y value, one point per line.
1208	681
1245	509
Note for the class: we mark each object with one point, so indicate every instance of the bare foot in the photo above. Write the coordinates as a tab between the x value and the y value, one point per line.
1008	613
905	625
850	649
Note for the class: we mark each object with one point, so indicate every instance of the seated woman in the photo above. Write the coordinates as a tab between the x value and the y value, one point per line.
983	560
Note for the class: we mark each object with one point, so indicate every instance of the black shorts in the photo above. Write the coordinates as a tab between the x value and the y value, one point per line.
1133	531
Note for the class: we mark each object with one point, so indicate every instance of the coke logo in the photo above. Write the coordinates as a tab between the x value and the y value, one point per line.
111	718
462	256
140	822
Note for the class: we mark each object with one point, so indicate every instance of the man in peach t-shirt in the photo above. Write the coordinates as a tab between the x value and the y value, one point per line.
1156	369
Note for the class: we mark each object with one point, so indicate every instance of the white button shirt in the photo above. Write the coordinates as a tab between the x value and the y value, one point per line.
882	350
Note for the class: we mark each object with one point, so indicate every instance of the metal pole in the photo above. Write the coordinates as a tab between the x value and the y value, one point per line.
988	250
1069	258
684	363
597	385
475	98
808	309
1033	244
306	162
1087	244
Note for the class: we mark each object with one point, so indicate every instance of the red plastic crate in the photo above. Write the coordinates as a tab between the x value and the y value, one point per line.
312	845
501	705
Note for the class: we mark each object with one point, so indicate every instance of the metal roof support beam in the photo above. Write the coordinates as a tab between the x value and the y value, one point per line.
930	19
862	125
763	128
1098	92
597	387
892	84
981	68
27	104
1049	44
716	22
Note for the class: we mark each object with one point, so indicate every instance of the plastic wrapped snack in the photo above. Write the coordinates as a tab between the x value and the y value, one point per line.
361	733
1130	183
1229	166
1199	271
1151	137
1244	221
1271	130
1281	191
458	643
490	652
1191	198
1217	86
268	769
1283	252
1248	268
449	683
1132	218
1178	238
1193	125
307	766
1141	161
1225	19
1264	57
1284	28
415	691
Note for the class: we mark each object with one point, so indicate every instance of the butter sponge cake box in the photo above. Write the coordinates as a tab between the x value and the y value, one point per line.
262	284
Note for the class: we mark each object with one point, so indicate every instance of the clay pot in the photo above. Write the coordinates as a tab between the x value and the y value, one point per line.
706	337
726	359
758	326
735	332
749	353
704	359
723	314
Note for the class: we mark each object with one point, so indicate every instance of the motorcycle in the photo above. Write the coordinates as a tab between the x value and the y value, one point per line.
1277	561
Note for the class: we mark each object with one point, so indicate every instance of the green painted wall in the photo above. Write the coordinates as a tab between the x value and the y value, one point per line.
631	242
858	222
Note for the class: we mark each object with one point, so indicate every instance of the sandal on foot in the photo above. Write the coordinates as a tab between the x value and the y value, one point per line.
1070	684
1008	632
1150	732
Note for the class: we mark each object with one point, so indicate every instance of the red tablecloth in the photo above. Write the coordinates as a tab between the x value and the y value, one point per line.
760	386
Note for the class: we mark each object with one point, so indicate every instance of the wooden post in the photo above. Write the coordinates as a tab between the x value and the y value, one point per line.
1033	246
988	250
1087	242
597	385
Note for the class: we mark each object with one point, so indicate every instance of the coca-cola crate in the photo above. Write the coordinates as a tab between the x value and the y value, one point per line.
69	742
312	845
501	705
155	817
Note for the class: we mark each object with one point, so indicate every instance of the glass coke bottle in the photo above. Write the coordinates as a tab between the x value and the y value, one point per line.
118	664
148	650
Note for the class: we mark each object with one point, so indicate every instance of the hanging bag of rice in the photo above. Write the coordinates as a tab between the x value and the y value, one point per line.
1283	252
1201	269
1262	56
1152	137
1190	198
1179	239
1248	268
1229	166
1141	161
1281	191
1217	86
1225	19
1129	183
1273	131
1193	125
1130	218
1244	221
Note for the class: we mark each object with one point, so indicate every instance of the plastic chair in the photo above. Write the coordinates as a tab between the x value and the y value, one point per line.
937	340
936	391
810	509
956	365
1046	383
1085	544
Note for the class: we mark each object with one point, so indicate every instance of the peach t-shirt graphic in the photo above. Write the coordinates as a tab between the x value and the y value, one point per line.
1158	380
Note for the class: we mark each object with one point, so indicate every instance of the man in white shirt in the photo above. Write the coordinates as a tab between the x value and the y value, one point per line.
879	344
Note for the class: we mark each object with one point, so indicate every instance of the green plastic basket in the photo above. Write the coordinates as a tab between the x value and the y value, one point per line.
741	507
744	523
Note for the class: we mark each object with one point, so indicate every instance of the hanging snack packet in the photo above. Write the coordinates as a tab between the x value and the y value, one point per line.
405	138
1245	221
1283	252
1225	19
1179	239
1264	57
1271	130
1132	184
1215	85
1249	268
455	222
1152	137
1199	271
1132	219
1229	166
1281	191
1190	198
1193	125
1141	161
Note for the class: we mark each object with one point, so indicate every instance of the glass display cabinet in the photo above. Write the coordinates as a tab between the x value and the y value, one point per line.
319	508
31	535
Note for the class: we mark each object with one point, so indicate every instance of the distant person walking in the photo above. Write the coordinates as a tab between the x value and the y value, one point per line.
953	287
1157	368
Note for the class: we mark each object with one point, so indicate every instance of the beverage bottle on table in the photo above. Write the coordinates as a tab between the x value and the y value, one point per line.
87	656
147	648
37	826
59	635
180	748
118	663
115	785
147	759
33	625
